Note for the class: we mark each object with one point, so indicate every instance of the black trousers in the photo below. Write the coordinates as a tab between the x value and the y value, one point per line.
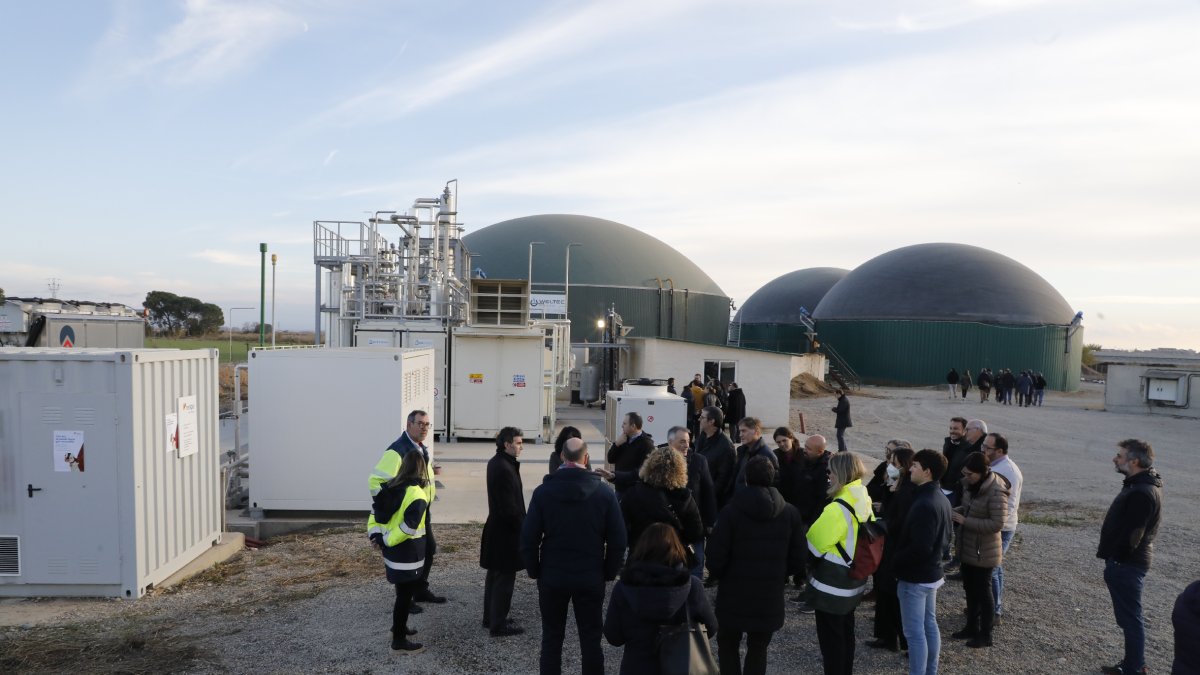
729	656
430	549
835	633
497	597
887	611
841	439
981	606
404	596
589	618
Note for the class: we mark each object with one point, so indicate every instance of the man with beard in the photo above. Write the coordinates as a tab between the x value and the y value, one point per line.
955	447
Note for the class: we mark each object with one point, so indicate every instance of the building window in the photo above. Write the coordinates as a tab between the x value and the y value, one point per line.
723	371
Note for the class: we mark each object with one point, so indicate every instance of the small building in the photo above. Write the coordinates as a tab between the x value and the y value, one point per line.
1158	381
766	377
34	322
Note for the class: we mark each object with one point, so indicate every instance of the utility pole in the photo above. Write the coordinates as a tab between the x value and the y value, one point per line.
262	295
274	259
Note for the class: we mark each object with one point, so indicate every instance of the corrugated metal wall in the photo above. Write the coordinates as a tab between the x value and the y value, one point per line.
681	315
922	352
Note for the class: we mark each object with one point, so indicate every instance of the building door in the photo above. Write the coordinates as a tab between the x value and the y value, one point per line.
68	489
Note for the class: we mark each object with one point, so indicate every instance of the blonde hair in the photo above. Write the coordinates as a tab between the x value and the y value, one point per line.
844	469
664	468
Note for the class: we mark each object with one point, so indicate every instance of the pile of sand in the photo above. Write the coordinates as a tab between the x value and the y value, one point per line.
806	386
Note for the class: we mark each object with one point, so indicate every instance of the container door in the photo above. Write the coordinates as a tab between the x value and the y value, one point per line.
520	402
70	515
476	387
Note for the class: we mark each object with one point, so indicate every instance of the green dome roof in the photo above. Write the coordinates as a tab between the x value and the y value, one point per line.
611	254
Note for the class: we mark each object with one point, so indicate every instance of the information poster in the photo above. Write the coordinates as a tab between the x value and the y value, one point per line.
189	444
172	421
68	451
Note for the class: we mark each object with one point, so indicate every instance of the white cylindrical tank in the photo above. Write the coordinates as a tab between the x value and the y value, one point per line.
109	468
589	382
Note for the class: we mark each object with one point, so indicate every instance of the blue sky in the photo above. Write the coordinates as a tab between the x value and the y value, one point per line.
151	145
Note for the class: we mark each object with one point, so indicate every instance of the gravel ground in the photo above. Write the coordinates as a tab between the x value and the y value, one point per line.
319	603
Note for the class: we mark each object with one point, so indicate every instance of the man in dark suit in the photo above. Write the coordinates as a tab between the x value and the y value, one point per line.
498	552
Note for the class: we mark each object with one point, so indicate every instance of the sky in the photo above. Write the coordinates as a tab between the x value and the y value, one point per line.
151	145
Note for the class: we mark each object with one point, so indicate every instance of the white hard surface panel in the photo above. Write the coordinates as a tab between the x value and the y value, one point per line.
496	382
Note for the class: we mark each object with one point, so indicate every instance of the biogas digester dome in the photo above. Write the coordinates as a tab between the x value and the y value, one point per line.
909	315
655	289
770	318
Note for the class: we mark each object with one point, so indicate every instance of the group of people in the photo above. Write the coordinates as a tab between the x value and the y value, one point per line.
726	396
1028	386
754	518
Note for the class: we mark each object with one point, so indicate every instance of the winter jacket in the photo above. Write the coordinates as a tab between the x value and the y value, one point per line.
757	544
736	407
952	376
398	525
1016	480
700	484
790	478
842	409
830	588
643	505
916	550
986	512
814	483
1039	382
506	513
895	508
1186	619
877	487
646	597
573	536
1131	523
747	452
956	456
984	381
629	455
722	463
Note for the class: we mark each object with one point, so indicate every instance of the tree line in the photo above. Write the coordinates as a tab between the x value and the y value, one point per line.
177	315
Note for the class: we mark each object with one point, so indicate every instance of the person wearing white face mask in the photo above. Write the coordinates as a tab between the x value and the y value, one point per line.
888	630
884	476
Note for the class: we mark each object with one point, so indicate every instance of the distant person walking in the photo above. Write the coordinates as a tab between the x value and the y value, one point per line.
964	383
572	542
1039	389
984	382
1007	383
498	552
655	590
397	528
916	561
952	382
1127	544
982	514
757	544
1024	389
842	422
735	409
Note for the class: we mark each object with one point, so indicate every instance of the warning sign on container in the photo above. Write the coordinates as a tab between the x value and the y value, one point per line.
518	380
476	378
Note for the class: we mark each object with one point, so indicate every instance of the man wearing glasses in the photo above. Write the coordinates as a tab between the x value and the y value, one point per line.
413	439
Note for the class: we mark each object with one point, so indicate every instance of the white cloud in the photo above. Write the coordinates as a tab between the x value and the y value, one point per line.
329	157
231	258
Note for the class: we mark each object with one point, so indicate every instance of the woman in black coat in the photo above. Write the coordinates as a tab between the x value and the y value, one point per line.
889	632
555	457
652	592
498	552
757	543
661	495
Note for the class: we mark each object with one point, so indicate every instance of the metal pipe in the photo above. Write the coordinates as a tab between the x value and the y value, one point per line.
262	295
530	277
274	258
567	281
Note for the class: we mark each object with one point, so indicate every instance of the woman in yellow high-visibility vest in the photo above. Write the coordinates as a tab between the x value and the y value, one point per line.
401	505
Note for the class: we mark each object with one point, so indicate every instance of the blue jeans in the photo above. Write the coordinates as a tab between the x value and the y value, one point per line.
1006	537
698	569
918	615
1125	586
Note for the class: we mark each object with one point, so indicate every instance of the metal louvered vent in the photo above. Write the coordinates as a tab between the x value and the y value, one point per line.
10	556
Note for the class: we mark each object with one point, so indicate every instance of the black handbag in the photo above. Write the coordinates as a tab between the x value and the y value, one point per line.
684	649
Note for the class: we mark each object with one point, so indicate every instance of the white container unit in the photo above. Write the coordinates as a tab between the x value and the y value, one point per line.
497	378
414	335
659	408
109	468
321	418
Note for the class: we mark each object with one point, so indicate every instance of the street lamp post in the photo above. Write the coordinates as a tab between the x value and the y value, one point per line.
231	309
274	258
262	292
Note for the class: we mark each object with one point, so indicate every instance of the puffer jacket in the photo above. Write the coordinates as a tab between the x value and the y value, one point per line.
986	510
649	596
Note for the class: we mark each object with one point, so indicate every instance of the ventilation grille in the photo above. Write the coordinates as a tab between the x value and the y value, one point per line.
52	415
10	556
85	416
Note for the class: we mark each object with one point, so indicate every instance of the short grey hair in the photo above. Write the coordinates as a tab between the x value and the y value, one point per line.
978	425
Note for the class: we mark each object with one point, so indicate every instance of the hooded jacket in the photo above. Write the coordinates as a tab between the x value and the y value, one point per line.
1131	523
830	588
648	596
573	536
757	544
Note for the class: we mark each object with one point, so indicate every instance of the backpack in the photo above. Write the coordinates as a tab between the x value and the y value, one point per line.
868	546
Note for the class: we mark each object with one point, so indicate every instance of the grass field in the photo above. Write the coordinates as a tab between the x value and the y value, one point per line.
242	343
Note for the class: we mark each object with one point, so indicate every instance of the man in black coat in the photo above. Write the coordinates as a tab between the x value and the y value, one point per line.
814	479
752	446
718	450
572	542
952	382
736	409
1127	545
956	448
757	544
915	552
842	410
630	448
498	552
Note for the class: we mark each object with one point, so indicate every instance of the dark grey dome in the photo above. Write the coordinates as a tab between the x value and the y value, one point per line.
945	282
780	300
611	254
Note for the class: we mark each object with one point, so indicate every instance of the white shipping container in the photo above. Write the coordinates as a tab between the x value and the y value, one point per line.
321	418
109	468
660	410
497	380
